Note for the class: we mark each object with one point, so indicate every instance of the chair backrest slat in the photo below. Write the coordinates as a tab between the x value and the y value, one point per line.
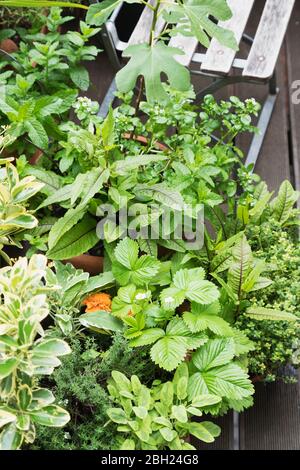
140	34
187	44
265	49
220	58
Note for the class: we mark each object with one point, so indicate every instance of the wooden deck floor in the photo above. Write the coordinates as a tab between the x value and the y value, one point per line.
274	421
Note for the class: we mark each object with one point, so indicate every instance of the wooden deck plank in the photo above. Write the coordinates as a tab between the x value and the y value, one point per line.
293	38
273	423
273	162
225	440
268	39
141	32
219	58
187	44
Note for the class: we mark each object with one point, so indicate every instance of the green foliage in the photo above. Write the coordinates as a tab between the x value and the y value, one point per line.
153	57
25	354
151	61
47	69
160	417
189	284
217	374
66	302
171	346
243	278
14	194
80	385
276	342
129	267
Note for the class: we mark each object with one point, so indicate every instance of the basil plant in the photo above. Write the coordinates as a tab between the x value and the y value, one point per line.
26	353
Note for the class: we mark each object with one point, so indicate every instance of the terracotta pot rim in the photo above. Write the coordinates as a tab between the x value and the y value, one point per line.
89	263
255	378
143	140
9	46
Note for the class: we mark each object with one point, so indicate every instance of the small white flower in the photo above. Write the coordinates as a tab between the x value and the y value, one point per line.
141	296
169	300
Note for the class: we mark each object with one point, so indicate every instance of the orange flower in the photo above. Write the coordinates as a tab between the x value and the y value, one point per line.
95	302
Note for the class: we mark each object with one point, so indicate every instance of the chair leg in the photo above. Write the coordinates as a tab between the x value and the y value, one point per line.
108	99
263	123
110	49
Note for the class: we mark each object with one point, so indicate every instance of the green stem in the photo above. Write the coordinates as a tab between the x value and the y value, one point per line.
142	80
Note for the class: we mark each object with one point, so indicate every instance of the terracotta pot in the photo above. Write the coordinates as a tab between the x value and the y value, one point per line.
9	46
143	140
36	156
256	378
89	263
185	307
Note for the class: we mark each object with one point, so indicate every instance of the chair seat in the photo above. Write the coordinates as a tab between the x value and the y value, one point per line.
219	60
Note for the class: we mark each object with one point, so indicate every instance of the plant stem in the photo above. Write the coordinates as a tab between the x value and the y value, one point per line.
151	41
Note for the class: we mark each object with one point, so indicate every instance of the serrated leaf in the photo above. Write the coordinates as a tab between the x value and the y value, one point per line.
131	268
171	349
36	133
148	336
47	105
92	183
242	344
199	320
228	381
80	77
253	276
189	284
194	18
99	12
215	352
126	252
